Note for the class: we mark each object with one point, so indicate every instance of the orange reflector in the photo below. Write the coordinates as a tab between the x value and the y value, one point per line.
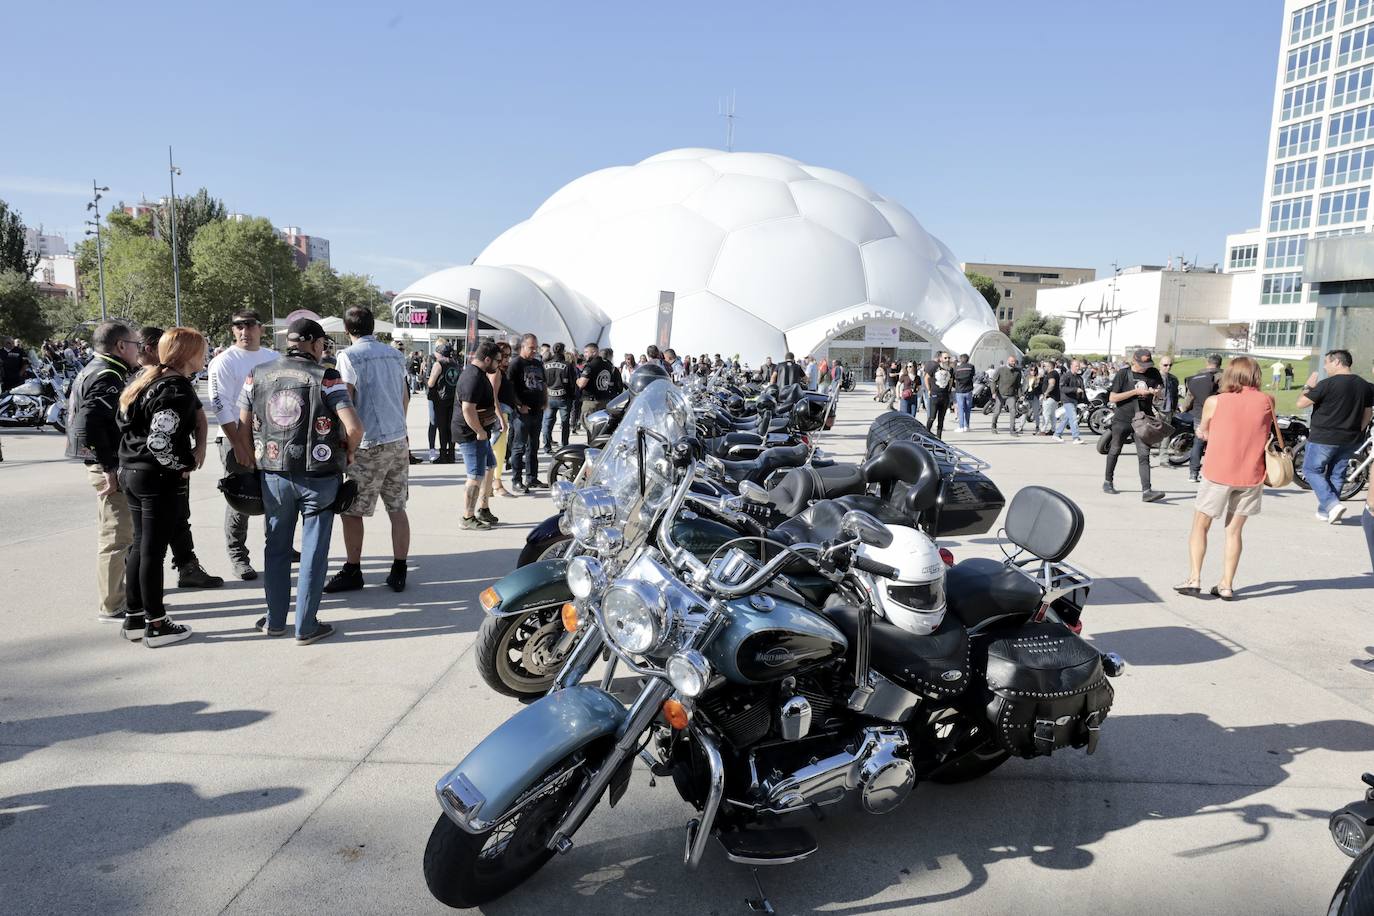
570	621
489	598
675	714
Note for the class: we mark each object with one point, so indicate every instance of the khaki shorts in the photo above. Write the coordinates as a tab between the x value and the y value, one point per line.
1217	499
383	470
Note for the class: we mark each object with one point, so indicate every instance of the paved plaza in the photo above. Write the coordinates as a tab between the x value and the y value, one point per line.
239	774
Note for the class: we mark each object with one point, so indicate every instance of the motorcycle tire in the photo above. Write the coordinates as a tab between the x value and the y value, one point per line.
989	407
1100	420
1104	443
547	549
500	637
1353	483
1179	450
565	469
1299	453
456	872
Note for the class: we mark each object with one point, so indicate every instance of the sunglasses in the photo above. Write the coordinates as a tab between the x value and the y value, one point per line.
245	324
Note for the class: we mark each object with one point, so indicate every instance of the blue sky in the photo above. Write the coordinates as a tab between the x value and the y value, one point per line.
411	134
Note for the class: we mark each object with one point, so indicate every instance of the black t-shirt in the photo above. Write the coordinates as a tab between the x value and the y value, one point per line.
790	373
11	366
1339	402
157	432
527	377
893	373
558	376
1129	380
1201	386
603	380
473	388
1070	388
928	369
963	378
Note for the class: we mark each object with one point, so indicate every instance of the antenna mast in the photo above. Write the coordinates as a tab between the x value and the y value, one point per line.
727	111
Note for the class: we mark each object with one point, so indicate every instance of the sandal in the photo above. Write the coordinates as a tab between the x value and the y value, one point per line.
1225	594
1191	587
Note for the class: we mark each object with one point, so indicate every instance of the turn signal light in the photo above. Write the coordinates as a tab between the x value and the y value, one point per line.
570	621
675	714
947	556
489	599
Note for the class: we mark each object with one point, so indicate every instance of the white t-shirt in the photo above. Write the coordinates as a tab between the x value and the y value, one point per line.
226	376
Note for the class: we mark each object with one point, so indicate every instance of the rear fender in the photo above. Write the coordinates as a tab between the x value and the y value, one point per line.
535	585
481	789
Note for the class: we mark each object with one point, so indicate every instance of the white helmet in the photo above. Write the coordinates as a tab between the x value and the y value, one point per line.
915	600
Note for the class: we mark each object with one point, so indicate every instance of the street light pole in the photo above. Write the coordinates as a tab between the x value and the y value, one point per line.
1111	326
172	172
99	253
1178	305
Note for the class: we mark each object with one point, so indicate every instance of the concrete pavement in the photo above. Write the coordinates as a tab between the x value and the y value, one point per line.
235	773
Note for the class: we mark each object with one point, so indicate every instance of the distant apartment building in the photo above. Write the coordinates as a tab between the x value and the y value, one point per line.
55	272
36	242
1019	284
306	248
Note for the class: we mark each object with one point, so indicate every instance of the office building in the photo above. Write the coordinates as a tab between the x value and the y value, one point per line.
1018	284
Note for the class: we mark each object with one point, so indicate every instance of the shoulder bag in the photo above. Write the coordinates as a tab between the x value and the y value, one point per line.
1278	463
1150	428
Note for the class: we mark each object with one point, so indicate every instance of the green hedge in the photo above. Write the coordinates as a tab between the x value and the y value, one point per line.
1046	342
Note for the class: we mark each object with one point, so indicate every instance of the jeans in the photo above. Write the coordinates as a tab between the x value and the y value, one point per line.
285	498
963	408
155	508
1069	419
1367	522
1195	456
235	522
1142	454
183	544
910	405
433	427
1048	406
1324	466
1007	401
524	446
935	418
1033	408
478	457
557	409
923	397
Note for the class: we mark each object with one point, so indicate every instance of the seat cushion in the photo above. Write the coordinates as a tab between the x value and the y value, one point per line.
981	589
818	523
1045	522
838	480
937	664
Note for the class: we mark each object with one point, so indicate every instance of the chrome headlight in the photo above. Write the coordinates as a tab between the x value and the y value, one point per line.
689	673
561	493
586	577
589	509
629	609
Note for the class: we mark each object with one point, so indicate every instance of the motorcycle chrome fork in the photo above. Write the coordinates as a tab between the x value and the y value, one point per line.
581	659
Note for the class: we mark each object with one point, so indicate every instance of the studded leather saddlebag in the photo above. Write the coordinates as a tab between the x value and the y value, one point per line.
1046	690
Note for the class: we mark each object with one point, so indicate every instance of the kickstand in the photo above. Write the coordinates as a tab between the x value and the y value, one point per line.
760	903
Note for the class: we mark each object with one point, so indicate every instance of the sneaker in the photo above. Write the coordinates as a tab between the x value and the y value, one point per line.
1334	516
485	515
1059	438
262	627
474	523
397	577
1151	496
519	487
165	632
1077	441
322	630
243	569
1321	516
1193	478
193	575
1109	487
135	625
348	579
537	484
433	455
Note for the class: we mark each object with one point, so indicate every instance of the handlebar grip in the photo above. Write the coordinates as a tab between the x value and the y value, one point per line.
877	569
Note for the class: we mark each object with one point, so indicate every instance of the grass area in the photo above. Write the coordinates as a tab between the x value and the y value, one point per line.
1287	400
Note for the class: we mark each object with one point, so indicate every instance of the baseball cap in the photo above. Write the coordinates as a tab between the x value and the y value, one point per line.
1142	355
304	329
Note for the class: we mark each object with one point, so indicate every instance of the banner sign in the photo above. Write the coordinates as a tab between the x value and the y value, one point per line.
881	335
417	317
665	319
474	297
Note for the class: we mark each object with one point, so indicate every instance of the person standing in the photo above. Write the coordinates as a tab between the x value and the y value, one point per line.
964	376
500	432
598	381
1050	396
1166	402
893	372
938	391
1237	423
1133	391
377	385
1198	388
227	373
93	437
297	425
1072	392
14	364
1287	376
925	371
789	372
1034	387
879	382
813	374
526	375
1006	389
162	440
559	378
443	389
908	388
472	427
1341	407
1276	371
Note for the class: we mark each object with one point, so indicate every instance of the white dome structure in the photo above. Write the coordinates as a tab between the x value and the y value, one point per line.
763	253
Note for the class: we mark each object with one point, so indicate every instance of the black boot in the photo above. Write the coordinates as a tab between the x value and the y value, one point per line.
193	575
397	577
348	579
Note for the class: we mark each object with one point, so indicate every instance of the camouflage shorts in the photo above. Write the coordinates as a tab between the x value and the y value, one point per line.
383	470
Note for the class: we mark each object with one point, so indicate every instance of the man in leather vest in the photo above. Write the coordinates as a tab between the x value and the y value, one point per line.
789	372
297	425
599	381
559	379
93	437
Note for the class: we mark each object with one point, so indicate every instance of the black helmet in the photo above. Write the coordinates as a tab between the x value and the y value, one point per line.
243	492
645	374
343	500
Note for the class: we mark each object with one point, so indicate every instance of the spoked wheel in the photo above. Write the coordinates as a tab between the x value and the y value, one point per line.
566	470
517	656
1299	453
968	749
1179	449
465	870
1353	483
1100	420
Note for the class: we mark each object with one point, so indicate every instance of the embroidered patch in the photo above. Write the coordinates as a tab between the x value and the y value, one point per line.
273	451
285	409
321	452
323	425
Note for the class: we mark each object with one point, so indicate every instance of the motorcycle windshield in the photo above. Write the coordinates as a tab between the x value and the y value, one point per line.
663	412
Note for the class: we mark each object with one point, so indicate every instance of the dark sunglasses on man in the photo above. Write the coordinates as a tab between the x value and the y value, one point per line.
243	323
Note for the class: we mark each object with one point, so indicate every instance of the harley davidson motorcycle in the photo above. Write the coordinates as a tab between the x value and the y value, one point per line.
765	702
35	402
1352	830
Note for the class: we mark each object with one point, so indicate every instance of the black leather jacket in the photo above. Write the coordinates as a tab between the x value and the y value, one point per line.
92	431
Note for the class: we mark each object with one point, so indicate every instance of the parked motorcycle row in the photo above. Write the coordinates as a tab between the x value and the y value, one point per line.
801	643
39	401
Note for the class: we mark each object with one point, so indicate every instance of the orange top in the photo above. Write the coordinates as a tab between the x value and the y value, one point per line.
1236	438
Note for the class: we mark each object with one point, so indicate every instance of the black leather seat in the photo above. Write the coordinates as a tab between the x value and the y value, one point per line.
765	464
740	437
818	523
839	480
980	589
936	664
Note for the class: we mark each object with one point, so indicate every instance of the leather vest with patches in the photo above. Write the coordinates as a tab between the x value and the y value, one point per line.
294	430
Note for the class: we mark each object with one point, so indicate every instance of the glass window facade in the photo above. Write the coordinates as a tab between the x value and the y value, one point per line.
1350	126
1311	21
1242	257
1351	165
1353	86
1355	46
1332	233
1281	289
1285	333
1294	177
1296	139
1303	99
1356	11
1285	251
1342	207
1293	213
1309	60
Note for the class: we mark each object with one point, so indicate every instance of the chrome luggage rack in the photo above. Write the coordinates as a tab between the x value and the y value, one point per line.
953	455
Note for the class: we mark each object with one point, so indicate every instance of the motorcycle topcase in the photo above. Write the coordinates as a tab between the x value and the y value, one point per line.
1046	690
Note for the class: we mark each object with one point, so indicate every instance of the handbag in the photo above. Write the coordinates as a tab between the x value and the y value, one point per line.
1150	429
1278	464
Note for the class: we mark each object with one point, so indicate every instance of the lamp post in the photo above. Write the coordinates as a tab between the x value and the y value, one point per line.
172	172
1178	304
1111	326
99	253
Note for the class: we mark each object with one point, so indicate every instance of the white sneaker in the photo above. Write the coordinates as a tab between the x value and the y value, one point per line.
1077	441
1059	438
1322	516
433	454
1335	514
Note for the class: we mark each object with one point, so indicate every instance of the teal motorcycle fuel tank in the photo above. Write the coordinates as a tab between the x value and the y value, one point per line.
768	638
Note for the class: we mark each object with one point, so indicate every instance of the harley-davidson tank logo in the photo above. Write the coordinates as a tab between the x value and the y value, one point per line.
776	657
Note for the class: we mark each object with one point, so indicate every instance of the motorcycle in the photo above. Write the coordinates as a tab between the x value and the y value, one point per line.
1352	829
35	402
1357	468
847	380
768	706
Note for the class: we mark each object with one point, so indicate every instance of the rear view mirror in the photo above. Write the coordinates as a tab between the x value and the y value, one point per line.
754	493
866	528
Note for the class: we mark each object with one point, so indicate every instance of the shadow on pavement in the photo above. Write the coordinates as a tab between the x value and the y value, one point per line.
1280	589
20	736
1164	646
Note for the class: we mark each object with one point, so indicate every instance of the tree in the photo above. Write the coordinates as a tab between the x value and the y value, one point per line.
193	212
236	265
321	289
1030	323
987	286
1046	342
14	254
358	289
21	308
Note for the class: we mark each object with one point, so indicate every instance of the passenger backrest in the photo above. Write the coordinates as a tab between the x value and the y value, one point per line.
792	493
909	463
1045	522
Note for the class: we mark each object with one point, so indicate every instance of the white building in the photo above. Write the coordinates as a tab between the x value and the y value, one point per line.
36	242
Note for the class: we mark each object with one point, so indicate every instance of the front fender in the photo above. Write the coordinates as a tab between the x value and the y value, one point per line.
479	790
533	585
545	530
